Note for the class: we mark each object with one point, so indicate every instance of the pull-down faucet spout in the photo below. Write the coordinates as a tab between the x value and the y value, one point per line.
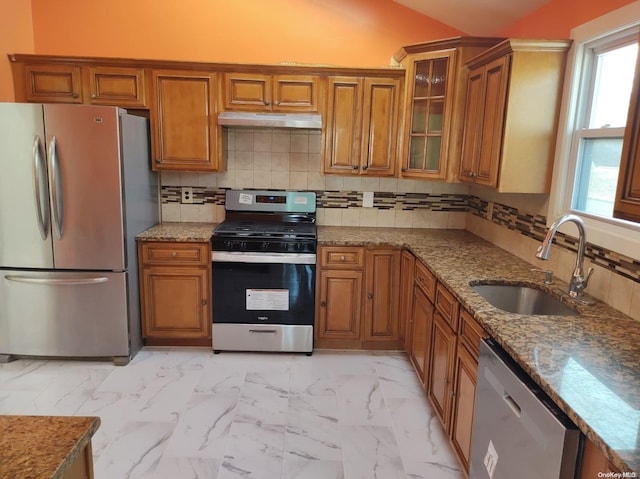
579	280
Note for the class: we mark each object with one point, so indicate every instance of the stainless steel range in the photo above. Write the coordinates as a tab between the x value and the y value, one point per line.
264	266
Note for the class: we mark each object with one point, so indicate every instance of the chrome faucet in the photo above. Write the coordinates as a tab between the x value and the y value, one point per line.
579	280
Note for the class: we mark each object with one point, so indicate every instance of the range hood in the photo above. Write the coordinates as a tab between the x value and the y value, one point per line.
270	120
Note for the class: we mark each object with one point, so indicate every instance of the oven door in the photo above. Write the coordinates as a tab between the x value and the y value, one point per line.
263	288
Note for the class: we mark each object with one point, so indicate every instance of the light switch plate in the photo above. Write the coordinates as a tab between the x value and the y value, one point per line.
367	199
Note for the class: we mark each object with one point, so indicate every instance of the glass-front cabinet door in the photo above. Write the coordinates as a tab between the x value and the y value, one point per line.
429	97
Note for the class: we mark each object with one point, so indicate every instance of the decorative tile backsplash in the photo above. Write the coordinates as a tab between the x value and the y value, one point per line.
534	226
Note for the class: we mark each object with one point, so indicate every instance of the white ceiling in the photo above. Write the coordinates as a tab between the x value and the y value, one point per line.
475	17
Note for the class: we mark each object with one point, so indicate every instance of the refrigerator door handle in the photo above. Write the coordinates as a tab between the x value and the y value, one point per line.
56	281
57	192
40	182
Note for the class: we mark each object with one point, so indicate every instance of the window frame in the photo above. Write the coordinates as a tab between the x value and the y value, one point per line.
616	234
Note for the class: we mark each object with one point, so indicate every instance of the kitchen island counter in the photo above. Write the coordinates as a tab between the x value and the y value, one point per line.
588	364
44	447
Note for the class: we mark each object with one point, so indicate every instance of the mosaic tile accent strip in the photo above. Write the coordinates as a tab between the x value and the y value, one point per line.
535	226
341	199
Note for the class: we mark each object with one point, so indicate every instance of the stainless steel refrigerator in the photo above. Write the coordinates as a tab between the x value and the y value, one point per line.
75	189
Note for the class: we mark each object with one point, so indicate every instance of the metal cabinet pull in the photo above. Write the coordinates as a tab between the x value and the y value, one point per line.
355	167
174	254
204	302
323	304
370	295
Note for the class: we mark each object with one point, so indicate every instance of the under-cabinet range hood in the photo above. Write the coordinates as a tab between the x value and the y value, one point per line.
271	120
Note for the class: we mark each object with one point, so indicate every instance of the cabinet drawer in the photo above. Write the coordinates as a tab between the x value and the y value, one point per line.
448	306
339	257
471	332
192	254
426	281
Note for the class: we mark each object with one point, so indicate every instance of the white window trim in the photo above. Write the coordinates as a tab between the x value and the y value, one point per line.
617	235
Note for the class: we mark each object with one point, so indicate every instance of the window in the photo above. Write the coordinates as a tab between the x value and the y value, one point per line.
607	77
591	127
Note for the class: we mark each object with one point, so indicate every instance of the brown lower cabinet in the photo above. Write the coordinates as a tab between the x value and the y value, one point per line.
82	466
594	463
357	296
442	342
175	293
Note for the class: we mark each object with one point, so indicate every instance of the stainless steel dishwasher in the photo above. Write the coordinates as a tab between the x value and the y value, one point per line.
517	430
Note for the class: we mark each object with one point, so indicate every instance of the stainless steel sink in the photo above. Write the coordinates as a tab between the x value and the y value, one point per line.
522	300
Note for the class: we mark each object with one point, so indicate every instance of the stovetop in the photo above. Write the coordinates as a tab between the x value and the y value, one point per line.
266	229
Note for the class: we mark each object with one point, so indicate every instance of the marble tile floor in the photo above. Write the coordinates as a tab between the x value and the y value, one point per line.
185	413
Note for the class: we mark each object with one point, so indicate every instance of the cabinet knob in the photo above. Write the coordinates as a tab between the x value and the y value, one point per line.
342	258
174	254
276	103
267	103
365	167
75	95
204	302
93	95
370	295
355	167
405	169
323	304
158	160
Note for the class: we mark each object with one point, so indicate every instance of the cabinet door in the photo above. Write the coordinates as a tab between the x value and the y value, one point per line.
339	301
407	279
247	91
627	202
183	120
472	125
440	383
343	125
382	287
380	126
297	93
492	124
429	101
466	375
175	303
114	86
53	83
421	325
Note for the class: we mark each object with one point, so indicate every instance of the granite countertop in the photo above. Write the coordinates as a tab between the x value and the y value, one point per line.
588	364
178	232
42	447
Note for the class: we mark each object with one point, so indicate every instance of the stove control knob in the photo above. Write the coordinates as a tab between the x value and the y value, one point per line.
243	245
265	245
228	245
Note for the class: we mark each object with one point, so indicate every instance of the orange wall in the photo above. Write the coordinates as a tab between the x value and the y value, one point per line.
16	35
341	32
558	17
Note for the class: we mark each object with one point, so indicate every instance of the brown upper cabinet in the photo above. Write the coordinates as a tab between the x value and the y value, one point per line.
627	204
361	125
115	86
279	93
67	83
512	107
183	112
434	104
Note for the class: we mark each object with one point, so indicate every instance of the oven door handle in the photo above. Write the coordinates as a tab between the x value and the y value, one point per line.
273	258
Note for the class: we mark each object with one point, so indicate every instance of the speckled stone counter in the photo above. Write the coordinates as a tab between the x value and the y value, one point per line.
178	232
42	447
588	364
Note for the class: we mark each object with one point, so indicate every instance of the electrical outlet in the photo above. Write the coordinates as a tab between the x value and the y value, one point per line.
186	195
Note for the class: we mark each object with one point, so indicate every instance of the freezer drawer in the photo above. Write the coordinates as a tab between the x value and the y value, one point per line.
63	314
517	430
